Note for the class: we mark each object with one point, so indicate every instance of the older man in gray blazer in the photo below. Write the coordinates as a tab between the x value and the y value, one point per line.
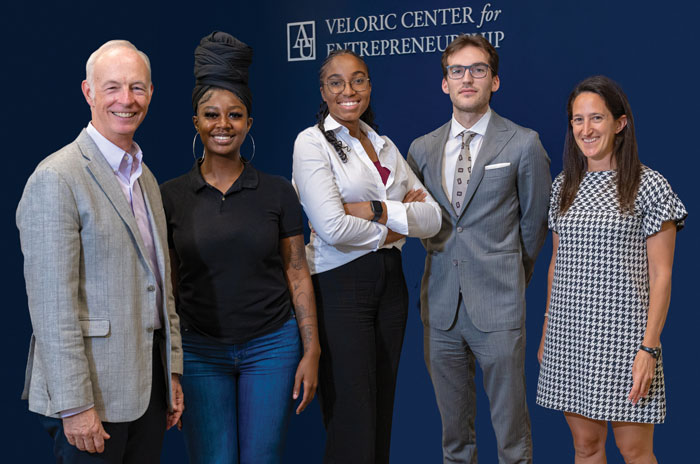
491	178
105	354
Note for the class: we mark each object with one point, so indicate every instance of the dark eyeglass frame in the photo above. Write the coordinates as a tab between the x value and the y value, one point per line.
465	68
345	83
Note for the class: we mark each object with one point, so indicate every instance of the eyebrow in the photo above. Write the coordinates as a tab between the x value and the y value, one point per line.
113	82
211	107
473	64
354	74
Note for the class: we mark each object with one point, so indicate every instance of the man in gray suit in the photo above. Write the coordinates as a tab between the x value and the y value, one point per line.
491	178
105	354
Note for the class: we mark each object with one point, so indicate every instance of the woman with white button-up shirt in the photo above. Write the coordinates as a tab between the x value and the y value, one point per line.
362	200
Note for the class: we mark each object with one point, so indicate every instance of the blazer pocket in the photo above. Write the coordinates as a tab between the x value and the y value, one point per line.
504	252
94	327
503	170
496	166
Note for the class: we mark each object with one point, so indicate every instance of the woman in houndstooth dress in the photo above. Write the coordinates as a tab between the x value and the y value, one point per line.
614	223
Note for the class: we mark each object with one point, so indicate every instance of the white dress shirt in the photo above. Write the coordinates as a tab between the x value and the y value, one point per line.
324	183
454	146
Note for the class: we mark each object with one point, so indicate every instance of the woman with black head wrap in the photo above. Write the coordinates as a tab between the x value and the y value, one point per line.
242	284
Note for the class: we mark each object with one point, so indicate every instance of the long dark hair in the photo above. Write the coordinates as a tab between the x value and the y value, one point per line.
625	153
367	117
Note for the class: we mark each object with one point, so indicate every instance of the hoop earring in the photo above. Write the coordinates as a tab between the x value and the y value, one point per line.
194	140
252	140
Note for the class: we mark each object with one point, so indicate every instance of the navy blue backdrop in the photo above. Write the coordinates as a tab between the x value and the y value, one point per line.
545	48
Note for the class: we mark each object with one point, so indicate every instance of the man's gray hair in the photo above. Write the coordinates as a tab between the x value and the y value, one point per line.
112	44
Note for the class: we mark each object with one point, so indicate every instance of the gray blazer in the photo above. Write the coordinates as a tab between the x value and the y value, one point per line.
488	251
91	289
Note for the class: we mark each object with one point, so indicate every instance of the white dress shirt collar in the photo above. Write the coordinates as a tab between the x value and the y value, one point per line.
377	142
479	127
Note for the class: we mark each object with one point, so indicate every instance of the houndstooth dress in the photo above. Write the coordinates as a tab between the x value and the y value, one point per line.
600	298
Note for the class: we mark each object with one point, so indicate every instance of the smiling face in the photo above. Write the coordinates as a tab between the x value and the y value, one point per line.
594	129
470	96
347	106
119	95
222	122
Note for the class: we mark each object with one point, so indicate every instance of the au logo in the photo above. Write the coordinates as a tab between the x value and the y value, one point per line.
301	41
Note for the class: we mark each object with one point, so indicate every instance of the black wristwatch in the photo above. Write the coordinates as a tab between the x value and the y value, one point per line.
377	209
655	352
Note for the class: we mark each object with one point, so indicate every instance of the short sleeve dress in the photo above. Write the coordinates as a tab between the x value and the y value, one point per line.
600	299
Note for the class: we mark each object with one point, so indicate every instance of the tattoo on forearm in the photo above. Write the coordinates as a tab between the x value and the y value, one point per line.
306	318
297	257
301	301
307	335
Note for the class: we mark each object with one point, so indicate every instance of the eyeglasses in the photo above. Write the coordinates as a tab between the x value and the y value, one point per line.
358	84
477	70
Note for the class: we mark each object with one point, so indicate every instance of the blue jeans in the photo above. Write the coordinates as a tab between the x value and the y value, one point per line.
238	398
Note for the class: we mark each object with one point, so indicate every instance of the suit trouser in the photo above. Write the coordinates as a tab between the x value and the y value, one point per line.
362	309
451	356
136	442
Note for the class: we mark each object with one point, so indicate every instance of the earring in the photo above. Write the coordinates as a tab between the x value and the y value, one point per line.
252	140
194	140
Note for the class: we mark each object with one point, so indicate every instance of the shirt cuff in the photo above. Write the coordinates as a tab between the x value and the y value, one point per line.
383	232
75	411
396	218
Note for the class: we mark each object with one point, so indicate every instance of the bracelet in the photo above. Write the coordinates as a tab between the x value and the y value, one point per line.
546	314
654	352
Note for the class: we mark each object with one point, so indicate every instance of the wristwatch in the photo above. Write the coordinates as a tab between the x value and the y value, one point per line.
377	209
655	352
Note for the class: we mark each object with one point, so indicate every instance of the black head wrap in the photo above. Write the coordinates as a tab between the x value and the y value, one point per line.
222	61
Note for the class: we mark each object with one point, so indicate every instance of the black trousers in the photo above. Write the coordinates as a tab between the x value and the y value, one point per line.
135	442
362	308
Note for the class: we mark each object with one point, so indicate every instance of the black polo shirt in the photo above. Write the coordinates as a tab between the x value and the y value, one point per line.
231	284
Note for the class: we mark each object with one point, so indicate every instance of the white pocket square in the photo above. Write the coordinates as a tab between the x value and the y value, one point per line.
496	166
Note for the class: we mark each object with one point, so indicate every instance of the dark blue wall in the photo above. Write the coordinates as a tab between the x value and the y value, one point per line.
547	47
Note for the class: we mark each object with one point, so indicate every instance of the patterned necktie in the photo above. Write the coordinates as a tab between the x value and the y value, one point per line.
463	171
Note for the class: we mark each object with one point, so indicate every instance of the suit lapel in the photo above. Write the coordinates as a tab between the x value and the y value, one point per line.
101	171
436	154
157	225
496	136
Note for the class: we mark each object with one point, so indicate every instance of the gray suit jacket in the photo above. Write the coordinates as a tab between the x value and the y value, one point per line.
91	289
488	251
